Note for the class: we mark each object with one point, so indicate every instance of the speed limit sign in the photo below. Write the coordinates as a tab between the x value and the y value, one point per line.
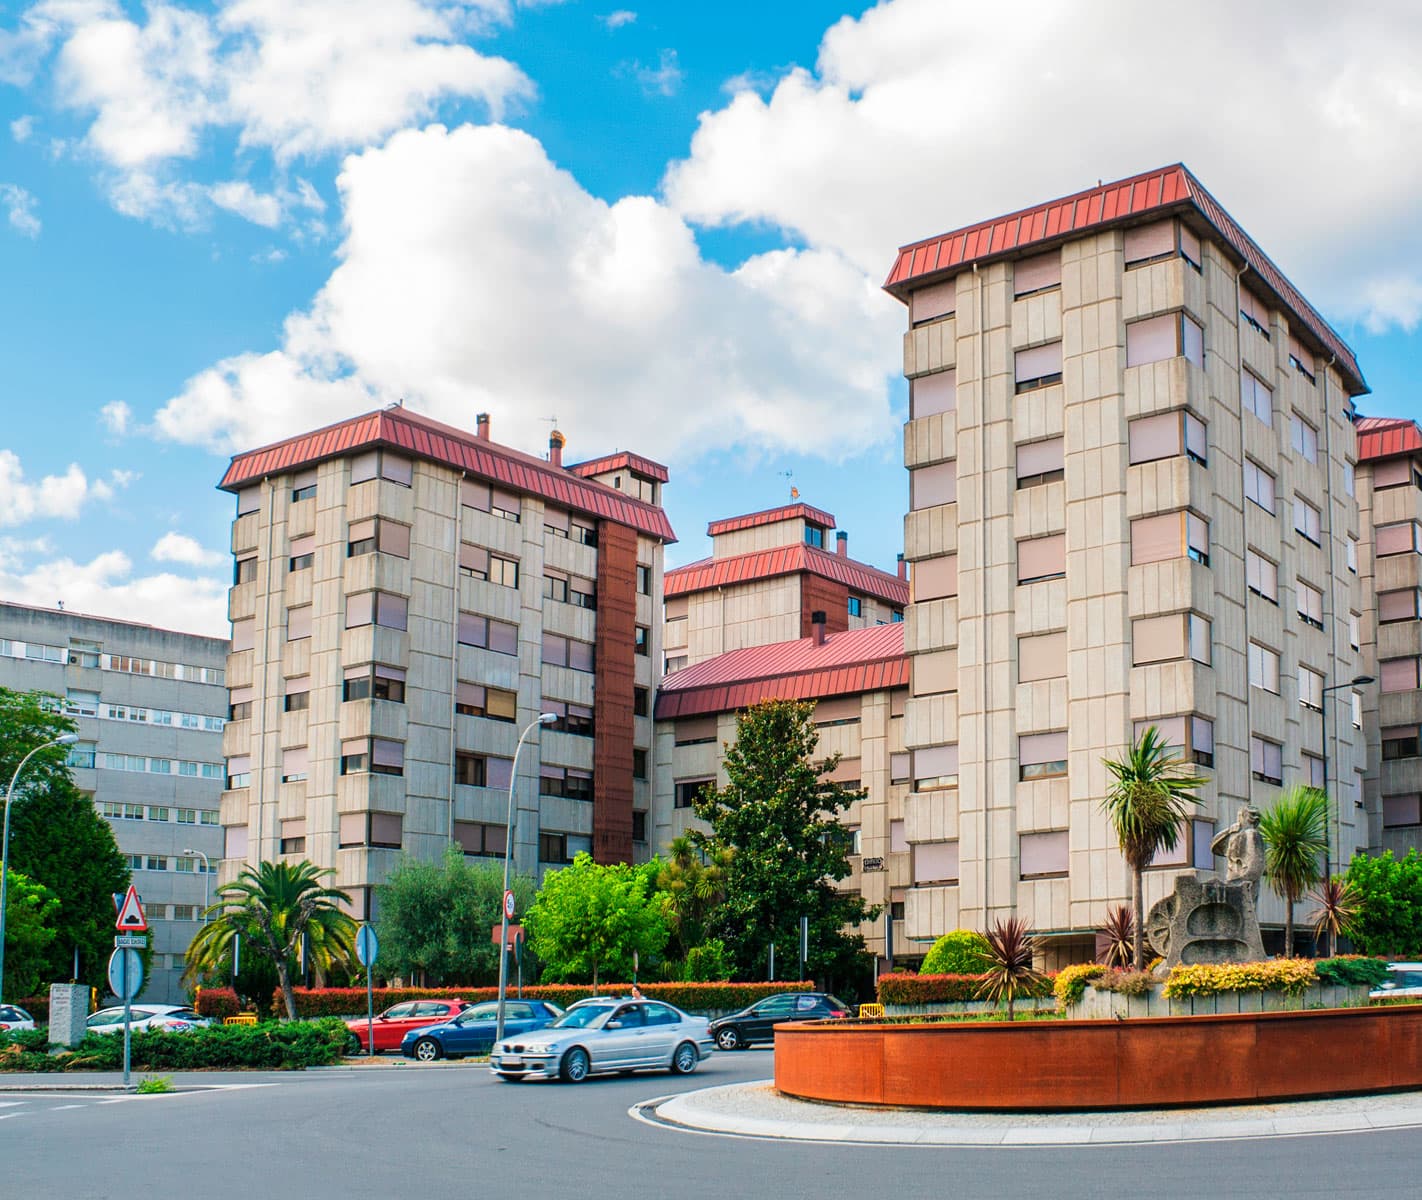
509	905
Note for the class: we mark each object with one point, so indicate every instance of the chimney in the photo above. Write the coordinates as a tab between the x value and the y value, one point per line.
817	626
556	442
903	568
841	544
482	426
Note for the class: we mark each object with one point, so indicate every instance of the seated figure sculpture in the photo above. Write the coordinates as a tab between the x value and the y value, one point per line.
1214	921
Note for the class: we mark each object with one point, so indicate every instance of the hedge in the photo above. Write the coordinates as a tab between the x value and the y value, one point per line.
1291	975
903	987
1352	970
693	997
291	1046
218	1003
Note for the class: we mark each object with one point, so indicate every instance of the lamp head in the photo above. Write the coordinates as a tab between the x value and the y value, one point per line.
66	739
1361	680
186	850
547	718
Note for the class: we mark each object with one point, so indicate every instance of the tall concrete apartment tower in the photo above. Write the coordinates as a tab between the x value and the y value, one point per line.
408	597
1390	560
1131	459
150	706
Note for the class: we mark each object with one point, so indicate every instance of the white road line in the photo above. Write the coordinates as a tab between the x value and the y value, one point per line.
7	1116
62	1107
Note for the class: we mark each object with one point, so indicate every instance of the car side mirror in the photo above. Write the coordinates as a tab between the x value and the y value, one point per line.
614	1025
1389	984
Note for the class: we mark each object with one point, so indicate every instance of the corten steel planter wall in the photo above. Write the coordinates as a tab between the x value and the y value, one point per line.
1147	1063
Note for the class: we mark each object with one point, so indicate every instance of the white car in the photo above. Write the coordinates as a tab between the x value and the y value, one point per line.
1404	979
16	1019
171	1018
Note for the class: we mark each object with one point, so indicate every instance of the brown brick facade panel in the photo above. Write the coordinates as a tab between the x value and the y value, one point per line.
612	692
818	594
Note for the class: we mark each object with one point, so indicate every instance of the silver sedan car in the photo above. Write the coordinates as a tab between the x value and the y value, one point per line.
606	1035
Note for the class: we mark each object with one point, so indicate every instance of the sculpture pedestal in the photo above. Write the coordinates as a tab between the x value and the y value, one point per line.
1206	922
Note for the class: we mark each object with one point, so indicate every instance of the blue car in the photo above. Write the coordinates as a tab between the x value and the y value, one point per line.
472	1031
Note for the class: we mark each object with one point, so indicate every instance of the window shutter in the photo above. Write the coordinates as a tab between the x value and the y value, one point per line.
1155	539
1040	458
1155	437
935	862
1041	558
1034	748
1037	273
1152	340
1041	656
360	609
1150	241
236	842
935	578
1043	853
936	300
473	494
298	623
395	539
1038	362
936	672
1157	639
396	469
934	485
936	393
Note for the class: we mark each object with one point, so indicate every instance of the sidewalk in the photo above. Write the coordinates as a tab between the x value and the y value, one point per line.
757	1110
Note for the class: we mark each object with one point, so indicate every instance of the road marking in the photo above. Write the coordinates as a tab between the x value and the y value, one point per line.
62	1107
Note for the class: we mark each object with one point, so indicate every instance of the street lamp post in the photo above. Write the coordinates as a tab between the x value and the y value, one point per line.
544	719
206	882
64	739
1356	681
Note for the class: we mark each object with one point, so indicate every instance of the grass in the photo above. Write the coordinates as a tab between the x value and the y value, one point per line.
156	1085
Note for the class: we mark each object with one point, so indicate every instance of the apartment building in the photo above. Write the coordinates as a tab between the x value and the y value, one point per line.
408	597
768	572
150	705
1131	456
858	680
1390	563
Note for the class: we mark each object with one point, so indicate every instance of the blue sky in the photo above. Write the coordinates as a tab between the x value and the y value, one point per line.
663	224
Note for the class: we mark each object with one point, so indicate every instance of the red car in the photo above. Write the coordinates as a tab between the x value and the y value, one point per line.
395	1022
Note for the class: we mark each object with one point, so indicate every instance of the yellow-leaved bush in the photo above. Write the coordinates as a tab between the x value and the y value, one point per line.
1071	982
1290	975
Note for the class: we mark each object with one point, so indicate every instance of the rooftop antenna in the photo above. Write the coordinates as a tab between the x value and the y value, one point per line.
552	425
794	491
60	605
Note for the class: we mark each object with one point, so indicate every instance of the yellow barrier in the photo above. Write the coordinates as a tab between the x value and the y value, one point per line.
871	1010
241	1019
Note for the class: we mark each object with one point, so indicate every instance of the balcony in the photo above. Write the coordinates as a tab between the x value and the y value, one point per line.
931	438
931	347
242	601
930	532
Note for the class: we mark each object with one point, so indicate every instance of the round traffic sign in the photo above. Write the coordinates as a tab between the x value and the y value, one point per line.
509	905
125	973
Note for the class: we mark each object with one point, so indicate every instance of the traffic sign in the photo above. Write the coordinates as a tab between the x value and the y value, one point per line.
130	941
125	973
130	914
367	947
509	905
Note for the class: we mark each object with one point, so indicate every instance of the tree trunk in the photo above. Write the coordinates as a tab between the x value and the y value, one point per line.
1138	925
287	995
1288	927
594	975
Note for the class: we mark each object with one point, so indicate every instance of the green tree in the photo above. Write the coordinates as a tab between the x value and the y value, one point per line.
588	918
435	918
271	907
777	817
1295	833
1147	804
58	840
1388	893
30	915
958	952
693	888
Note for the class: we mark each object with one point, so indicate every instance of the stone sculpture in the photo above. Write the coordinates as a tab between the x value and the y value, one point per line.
1212	920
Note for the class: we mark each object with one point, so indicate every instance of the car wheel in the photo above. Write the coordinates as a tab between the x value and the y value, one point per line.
427	1050
574	1068
729	1038
685	1059
354	1046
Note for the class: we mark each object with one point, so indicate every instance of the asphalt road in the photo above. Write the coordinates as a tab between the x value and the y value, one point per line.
455	1132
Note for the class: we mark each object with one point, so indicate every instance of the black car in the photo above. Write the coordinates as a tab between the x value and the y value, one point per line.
757	1023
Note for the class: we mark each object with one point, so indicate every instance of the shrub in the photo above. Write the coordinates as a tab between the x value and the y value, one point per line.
1388	893
218	1003
901	987
1071	982
707	962
693	997
156	1085
1352	970
961	952
1291	975
25	1039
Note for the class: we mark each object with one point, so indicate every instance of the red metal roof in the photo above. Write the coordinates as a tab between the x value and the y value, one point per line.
434	441
789	513
710	573
1156	193
859	660
623	458
1386	437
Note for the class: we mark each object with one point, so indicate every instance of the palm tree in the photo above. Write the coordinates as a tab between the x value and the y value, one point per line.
693	887
1146	805
1011	948
1338	908
271	907
1295	833
1119	932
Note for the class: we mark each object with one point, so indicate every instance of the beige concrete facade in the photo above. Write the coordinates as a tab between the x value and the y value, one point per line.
1070	662
438	688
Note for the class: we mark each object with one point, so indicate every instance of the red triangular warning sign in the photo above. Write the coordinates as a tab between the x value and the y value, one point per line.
130	914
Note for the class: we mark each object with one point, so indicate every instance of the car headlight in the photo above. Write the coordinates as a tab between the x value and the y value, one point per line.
537	1048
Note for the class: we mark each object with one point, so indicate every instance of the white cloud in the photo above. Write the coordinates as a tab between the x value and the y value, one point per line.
179	548
106	586
618	18
240	197
116	416
662	350
921	116
662	80
20	208
272	254
61	496
22	127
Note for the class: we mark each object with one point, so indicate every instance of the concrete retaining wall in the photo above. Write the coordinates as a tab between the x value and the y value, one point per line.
1103	1005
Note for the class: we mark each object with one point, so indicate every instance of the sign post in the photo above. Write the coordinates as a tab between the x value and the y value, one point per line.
804	944
367	947
125	967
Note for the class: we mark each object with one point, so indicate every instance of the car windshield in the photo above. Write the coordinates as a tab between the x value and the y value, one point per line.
12	1014
589	1016
480	1012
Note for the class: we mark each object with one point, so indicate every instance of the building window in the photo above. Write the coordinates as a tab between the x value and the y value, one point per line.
1157	339
933	303
1040	273
695	731
1263	668
469	769
1313	770
899	767
565	652
1352	554
1310	604
1302	360
1402	538
1170	535
1039	656
1261	576
485	632
1043	855
503	571
935	578
639	766
1257	397
1190	736
477	839
378	533
935	863
814	536
1310	689
582	531
1041	755
298	623
644	579
568	782
576	719
476	700
302	553
582	593
382	464
243	571
1166	435
1401	811
553	848
1398	606
1162	639
298	694
641	701
1350	479
507	505
1266	760
643	640
555	587
378	608
856	606
1398	675
1253	311
239	771
1354	638
687	790
1258	486
382	830
1307	520
156	862
639	825
933	485
1401	742
81	755
1304	438
935	767
1039	367
930	395
935	673
1040	462
303	486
